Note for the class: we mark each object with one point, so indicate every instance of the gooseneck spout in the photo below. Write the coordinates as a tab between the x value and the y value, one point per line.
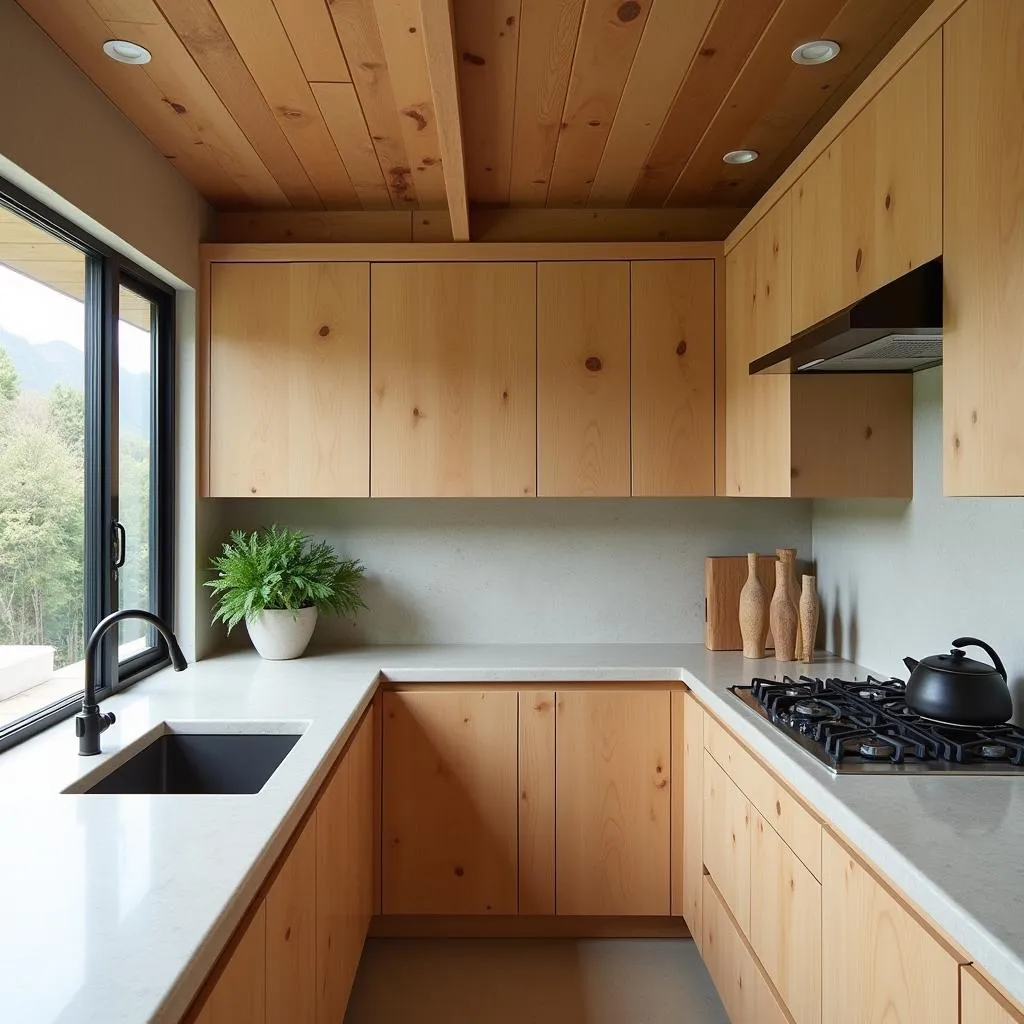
911	663
91	722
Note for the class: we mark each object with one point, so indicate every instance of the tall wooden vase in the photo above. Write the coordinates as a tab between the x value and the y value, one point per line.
783	614
808	618
788	556
753	612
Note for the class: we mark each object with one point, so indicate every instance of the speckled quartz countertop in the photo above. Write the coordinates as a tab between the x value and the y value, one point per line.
115	907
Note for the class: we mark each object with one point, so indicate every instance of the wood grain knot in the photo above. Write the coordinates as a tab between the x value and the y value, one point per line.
459	872
593	364
974	416
287	933
868	433
324	331
681	348
888	200
956	442
416	411
504	396
474	58
416	115
629	11
252	489
778	807
594	124
859	260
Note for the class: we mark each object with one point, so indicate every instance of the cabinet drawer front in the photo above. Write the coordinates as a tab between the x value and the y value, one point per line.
742	987
880	963
800	830
785	922
727	840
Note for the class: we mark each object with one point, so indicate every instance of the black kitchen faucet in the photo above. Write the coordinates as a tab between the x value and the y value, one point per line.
91	721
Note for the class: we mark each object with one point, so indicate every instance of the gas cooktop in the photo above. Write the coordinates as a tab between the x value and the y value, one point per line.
866	726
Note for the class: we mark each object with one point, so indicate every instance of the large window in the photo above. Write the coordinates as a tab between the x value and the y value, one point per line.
86	463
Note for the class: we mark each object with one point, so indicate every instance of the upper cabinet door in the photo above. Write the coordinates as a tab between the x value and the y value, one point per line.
757	409
983	261
289	380
673	377
453	380
870	207
583	379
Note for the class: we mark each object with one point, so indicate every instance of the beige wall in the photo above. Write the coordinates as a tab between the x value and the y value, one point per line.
58	128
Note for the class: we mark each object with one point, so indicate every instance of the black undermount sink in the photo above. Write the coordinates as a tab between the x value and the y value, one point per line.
182	762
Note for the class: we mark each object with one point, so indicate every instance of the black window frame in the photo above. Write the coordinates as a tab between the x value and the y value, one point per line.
106	271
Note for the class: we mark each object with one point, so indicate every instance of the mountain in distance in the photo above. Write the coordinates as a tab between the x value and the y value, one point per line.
41	367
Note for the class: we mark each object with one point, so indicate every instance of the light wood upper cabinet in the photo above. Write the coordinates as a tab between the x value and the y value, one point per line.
983	259
237	989
291	933
757	409
289	380
613	802
981	1004
344	872
672	309
880	965
453	380
808	435
583	442
870	207
785	922
450	812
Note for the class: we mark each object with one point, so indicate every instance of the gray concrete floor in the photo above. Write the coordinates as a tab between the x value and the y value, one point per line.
533	981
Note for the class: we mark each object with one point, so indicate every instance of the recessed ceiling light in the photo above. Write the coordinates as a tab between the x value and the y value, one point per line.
741	156
126	52
818	51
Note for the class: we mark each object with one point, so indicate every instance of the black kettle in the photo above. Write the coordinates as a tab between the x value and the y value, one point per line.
956	689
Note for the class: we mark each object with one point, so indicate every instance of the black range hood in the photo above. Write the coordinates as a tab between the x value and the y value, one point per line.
897	329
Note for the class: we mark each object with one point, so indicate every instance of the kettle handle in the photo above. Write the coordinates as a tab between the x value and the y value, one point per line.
970	641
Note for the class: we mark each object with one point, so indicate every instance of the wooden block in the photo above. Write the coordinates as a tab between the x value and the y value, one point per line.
724	577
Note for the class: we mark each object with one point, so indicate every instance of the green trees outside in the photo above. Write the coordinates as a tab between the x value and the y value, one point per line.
42	510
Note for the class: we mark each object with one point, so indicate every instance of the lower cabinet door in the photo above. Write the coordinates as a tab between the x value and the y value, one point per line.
237	991
742	987
451	807
291	934
726	840
344	873
613	802
880	965
785	922
980	1004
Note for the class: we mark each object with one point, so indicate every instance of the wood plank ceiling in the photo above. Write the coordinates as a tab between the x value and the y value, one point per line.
330	104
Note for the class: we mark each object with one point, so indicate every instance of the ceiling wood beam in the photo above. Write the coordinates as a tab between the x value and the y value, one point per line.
439	45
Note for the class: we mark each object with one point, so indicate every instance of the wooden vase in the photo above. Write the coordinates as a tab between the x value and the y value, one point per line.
788	557
783	614
753	612
808	618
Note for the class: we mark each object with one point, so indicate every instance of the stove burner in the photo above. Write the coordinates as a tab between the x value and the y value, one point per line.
993	751
876	750
864	725
811	709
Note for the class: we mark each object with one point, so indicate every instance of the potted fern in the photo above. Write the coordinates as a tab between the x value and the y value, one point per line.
278	580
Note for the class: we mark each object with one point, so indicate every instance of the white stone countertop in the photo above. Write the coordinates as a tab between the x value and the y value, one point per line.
114	908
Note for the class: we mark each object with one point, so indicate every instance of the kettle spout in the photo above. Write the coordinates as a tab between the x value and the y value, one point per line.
911	663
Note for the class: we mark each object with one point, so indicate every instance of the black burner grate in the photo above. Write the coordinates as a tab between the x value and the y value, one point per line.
858	723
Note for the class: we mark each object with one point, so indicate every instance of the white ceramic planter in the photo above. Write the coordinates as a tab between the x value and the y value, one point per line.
281	635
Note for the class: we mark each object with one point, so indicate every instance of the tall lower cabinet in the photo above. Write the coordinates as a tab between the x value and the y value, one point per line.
294	958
